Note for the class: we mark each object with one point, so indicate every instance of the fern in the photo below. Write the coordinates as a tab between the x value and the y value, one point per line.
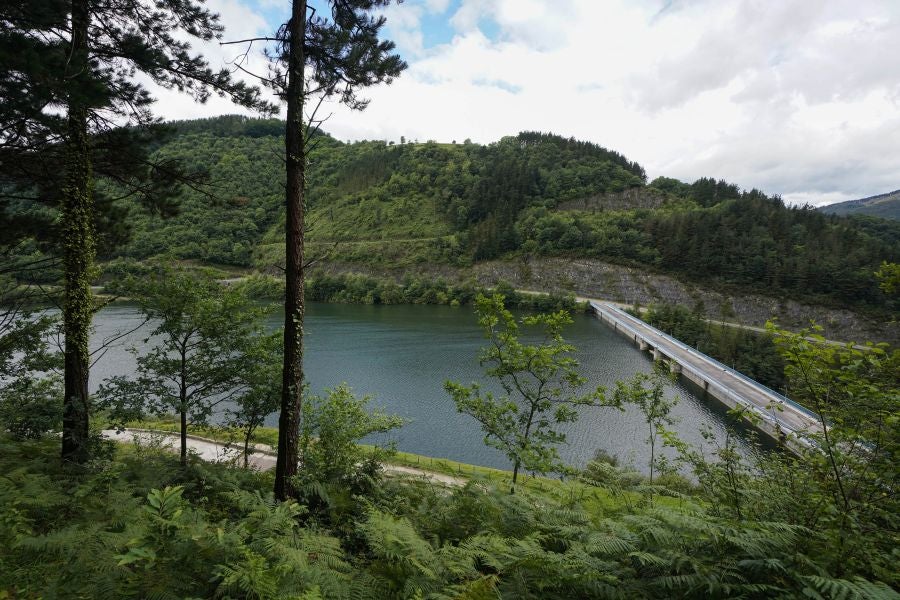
844	589
251	578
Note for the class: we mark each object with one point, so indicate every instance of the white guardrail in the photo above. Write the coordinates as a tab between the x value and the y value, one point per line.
622	318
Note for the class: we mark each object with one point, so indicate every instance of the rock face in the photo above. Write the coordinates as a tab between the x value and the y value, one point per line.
625	200
595	278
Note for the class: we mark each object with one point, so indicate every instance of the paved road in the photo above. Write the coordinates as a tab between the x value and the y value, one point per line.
741	389
263	459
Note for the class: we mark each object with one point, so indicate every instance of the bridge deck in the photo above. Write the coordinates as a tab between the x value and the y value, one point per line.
725	383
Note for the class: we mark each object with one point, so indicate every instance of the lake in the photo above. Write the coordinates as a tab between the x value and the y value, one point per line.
402	355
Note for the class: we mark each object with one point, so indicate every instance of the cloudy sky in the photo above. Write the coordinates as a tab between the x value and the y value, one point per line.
795	97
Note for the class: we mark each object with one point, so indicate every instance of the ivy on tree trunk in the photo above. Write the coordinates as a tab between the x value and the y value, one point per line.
77	214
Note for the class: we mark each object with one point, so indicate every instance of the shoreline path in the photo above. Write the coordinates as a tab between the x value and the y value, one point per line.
262	458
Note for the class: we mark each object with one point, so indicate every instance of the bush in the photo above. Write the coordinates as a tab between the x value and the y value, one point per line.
31	408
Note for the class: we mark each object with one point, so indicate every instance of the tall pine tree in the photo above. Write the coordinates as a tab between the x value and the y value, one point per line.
316	56
85	54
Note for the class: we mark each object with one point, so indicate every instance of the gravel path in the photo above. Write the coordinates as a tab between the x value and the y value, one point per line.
263	458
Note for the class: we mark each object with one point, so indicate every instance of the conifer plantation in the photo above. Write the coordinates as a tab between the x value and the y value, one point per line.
166	482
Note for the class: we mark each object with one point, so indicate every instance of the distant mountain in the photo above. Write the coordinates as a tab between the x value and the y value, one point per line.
886	206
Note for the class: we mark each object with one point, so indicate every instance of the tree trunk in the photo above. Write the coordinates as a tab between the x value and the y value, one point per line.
295	164
182	399
183	436
512	489
247	451
527	435
77	216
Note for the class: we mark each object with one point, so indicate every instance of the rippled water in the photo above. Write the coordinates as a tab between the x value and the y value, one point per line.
402	355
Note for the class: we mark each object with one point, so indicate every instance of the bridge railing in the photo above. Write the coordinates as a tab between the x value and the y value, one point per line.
698	354
614	314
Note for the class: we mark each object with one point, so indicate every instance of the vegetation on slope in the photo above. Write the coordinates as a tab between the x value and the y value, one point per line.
886	206
387	205
135	523
529	195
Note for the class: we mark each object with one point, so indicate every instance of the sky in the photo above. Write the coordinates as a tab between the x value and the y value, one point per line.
799	98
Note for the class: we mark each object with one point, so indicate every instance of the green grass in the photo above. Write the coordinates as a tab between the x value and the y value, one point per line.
561	490
591	497
356	217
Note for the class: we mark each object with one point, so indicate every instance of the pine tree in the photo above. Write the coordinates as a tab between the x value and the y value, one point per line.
315	56
85	54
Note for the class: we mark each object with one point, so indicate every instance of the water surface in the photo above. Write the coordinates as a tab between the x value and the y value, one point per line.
402	355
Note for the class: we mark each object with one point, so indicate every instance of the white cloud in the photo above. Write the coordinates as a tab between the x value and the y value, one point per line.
406	27
798	98
466	18
240	22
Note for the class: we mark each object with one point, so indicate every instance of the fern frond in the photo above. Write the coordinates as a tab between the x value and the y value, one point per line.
844	589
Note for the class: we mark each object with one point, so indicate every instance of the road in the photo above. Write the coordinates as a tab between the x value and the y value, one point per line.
722	323
722	380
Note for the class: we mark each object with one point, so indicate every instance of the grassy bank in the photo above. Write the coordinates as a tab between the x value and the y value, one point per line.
558	488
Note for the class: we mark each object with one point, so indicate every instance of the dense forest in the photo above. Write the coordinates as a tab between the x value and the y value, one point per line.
524	196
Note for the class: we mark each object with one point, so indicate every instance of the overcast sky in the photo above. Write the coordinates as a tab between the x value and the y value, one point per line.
794	97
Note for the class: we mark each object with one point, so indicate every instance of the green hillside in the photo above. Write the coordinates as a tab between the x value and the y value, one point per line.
886	206
529	195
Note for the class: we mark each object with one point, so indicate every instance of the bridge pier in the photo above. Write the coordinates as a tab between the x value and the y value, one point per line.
674	367
644	345
657	355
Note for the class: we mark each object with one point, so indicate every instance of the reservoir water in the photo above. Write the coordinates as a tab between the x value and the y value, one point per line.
401	355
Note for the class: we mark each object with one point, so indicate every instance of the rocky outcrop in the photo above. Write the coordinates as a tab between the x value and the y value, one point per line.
600	279
596	278
642	197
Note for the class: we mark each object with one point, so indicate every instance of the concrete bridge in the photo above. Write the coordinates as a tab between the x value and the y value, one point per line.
773	414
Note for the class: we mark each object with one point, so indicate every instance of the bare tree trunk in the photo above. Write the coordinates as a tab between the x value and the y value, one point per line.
518	463
247	449
182	397
295	164
77	216
183	436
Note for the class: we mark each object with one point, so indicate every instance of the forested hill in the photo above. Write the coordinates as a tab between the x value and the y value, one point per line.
527	195
886	206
